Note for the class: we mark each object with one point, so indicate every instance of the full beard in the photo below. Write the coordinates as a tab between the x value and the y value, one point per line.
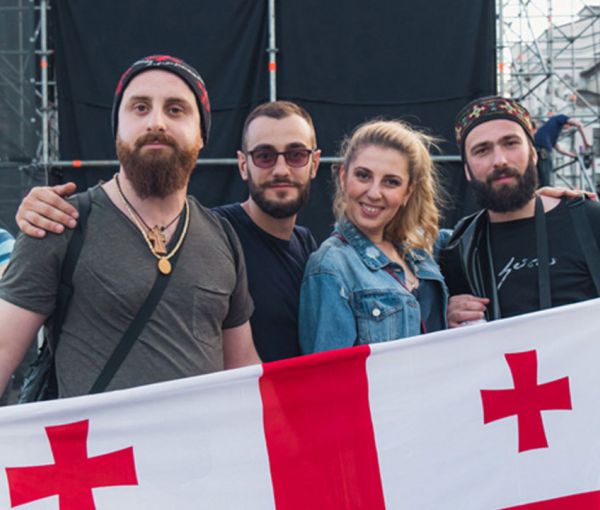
157	173
274	208
503	199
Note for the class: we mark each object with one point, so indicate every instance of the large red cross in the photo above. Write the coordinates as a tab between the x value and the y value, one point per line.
527	400
74	474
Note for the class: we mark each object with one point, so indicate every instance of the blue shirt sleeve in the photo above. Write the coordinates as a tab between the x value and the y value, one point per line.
326	320
6	246
441	242
547	135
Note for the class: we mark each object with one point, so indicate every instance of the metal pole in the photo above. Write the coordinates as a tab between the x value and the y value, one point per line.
585	178
210	161
573	73
272	50
585	102
550	57
21	82
44	78
500	52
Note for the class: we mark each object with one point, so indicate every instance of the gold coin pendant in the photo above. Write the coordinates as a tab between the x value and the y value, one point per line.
164	266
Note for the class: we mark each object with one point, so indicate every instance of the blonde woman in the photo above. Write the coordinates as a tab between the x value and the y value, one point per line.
375	278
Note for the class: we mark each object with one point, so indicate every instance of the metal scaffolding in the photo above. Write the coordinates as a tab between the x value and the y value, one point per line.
15	91
35	69
28	111
29	149
548	55
27	91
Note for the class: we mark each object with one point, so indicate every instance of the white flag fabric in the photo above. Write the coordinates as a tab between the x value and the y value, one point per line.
499	415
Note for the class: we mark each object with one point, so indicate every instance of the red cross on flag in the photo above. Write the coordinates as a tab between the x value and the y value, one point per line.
501	415
73	475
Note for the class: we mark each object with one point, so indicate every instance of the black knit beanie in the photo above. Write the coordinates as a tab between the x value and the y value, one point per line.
173	65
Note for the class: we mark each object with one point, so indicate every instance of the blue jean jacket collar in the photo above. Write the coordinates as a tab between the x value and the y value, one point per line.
371	256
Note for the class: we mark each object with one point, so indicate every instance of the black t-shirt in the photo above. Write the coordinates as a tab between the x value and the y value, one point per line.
275	268
515	260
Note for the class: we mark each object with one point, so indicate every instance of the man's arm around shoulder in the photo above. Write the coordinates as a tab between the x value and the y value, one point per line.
19	328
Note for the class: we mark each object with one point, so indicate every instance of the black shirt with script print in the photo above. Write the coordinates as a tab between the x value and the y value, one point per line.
515	260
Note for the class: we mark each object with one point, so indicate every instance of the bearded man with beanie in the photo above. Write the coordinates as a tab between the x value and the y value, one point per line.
275	247
521	252
141	228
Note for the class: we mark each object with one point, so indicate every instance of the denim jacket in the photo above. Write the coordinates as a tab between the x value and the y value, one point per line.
348	298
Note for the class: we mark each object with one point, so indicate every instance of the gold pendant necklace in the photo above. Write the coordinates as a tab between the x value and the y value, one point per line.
164	265
158	240
155	234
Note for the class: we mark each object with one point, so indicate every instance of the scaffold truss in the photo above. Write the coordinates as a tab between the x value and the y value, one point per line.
549	58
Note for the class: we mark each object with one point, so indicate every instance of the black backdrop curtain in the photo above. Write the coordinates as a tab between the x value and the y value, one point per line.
345	61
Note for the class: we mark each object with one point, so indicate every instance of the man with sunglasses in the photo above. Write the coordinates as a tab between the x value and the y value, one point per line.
278	159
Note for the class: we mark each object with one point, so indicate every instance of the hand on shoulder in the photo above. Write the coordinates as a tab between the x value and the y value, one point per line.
45	209
562	192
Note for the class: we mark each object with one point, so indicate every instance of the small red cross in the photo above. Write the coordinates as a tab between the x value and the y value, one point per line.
74	474
527	400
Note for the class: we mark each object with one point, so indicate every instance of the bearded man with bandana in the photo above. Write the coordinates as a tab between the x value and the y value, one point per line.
521	252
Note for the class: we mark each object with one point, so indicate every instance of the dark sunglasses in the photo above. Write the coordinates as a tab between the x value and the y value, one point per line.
266	158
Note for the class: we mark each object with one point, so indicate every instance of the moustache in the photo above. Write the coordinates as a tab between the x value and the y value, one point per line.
155	138
275	182
499	173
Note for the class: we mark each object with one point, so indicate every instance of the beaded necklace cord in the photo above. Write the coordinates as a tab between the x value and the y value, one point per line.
164	266
156	233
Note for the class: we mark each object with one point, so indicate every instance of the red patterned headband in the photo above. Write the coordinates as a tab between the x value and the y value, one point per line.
490	108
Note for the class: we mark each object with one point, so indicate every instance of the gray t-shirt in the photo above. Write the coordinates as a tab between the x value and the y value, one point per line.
206	292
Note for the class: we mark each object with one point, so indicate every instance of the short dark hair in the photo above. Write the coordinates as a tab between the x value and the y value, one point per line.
277	110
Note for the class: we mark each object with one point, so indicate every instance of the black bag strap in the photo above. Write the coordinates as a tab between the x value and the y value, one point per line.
477	269
138	323
587	241
65	286
541	239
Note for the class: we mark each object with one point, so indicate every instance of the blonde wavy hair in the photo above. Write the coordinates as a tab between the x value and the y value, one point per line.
415	224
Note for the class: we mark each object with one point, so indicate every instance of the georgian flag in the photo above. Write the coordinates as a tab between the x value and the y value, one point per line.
499	415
